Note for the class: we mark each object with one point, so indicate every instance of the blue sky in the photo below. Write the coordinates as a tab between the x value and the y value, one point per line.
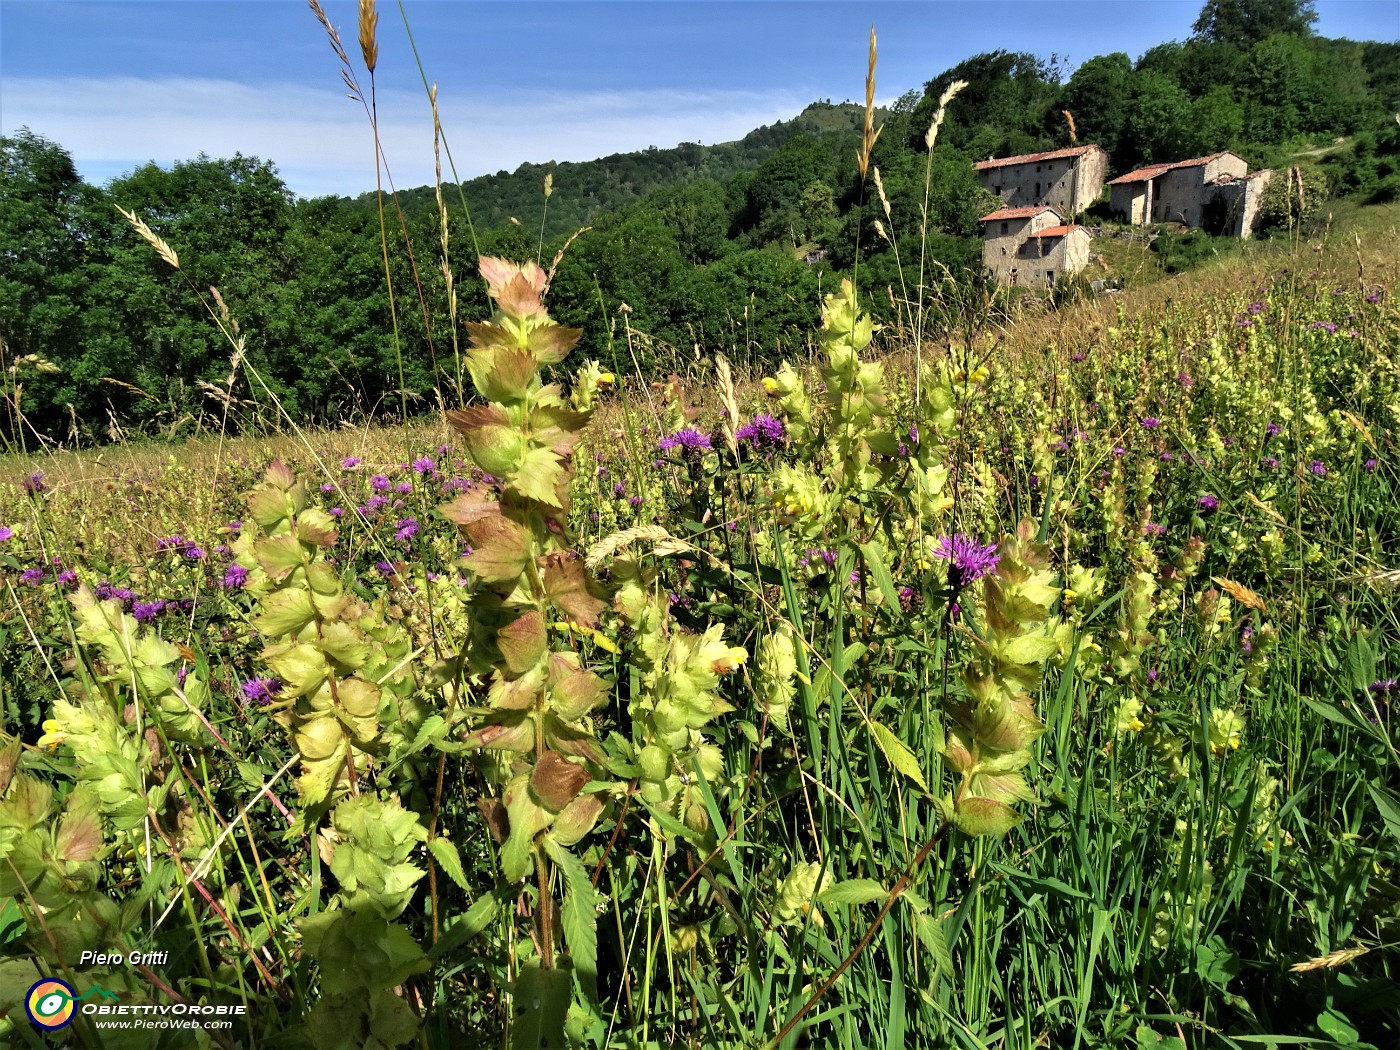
120	83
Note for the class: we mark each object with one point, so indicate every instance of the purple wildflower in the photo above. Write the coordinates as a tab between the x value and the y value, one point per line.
1370	464
690	441
35	482
350	462
66	576
1150	423
1383	687
407	529
424	465
1151	528
1269	463
145	612
1318	467
235	576
620	490
1272	429
261	691
404	487
33	576
1208	502
105	590
336	512
378	482
6	534
969	560
764	431
194	553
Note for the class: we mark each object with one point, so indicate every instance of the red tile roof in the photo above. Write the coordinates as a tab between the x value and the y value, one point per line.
1018	213
1036	158
1055	231
1153	170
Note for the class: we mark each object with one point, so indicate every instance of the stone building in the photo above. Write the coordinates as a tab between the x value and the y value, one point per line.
1031	247
1068	180
1215	192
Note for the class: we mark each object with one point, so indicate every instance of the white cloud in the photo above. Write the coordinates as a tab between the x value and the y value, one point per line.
320	139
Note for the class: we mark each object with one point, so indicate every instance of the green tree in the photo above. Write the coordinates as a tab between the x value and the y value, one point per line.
1246	22
1098	95
41	291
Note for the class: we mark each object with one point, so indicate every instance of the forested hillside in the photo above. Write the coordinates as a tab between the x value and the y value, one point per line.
708	248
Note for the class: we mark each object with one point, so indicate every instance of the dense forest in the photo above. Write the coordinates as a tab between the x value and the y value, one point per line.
688	251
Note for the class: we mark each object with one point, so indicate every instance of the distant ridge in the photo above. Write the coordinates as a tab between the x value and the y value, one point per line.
585	189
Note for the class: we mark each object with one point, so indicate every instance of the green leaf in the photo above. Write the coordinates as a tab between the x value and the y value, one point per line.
1331	713
1216	963
1337	1026
1388	804
541	1003
875	562
930	933
444	851
284	612
854	891
539	475
579	912
1028	649
898	753
458	933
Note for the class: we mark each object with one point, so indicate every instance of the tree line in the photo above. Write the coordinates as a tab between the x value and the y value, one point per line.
688	251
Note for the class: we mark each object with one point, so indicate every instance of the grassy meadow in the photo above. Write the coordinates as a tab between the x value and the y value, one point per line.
994	679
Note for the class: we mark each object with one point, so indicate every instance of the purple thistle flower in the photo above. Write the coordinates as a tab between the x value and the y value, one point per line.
33	576
764	431
173	542
620	490
145	612
194	553
1269	463
336	512
969	560
1370	464
105	590
424	465
350	462
1208	502
235	576
378	482
1383	687
404	487
6	534
34	483
407	529
261	691
1318	467
1150	423
690	441
1272	429
66	576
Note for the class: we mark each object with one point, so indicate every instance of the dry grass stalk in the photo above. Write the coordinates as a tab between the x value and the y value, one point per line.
162	249
1069	119
931	136
880	189
369	24
730	419
869	134
559	257
610	545
1330	961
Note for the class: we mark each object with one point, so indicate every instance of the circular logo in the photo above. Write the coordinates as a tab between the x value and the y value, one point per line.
50	1003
